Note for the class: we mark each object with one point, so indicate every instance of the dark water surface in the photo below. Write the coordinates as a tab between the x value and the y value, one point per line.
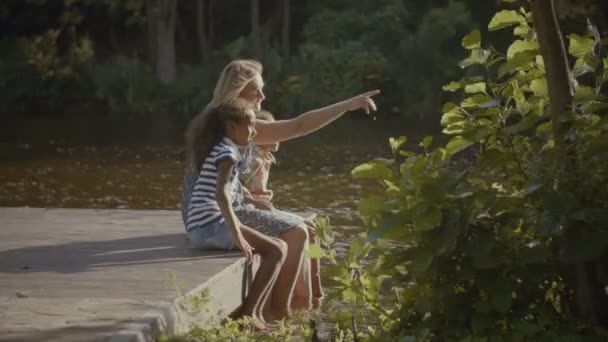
83	164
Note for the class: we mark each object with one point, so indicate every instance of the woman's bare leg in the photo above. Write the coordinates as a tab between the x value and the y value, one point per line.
315	266
296	239
302	292
273	254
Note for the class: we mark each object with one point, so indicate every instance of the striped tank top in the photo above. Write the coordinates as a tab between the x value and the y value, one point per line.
203	208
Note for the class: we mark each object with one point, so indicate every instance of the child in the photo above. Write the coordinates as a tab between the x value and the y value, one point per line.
210	218
255	182
256	178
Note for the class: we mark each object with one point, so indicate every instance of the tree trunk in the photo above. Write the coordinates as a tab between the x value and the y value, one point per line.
181	33
556	63
255	29
151	32
210	27
165	16
590	300
200	30
285	29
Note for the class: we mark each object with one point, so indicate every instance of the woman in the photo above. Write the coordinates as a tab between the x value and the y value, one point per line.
241	84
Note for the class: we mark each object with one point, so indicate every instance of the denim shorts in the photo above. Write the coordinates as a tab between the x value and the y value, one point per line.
214	235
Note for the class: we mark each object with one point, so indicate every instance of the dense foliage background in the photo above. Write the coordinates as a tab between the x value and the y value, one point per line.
495	230
92	57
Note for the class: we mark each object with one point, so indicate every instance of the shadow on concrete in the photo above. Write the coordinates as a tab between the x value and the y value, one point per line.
81	256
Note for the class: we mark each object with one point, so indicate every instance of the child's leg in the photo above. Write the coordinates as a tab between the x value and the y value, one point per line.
296	239
273	253
264	307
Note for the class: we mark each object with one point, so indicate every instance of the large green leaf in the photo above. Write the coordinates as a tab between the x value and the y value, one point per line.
585	65
373	170
475	88
518	60
396	143
505	18
314	251
580	46
472	40
457	144
452	86
391	226
521	30
452	118
539	87
476	100
520	46
426	142
584	94
372	205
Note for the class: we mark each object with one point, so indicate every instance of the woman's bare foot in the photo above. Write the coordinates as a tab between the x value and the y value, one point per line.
256	324
255	321
316	302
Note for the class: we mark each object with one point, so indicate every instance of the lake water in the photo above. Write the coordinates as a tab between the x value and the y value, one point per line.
84	164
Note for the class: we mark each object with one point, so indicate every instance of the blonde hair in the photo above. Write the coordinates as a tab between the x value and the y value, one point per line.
235	76
202	130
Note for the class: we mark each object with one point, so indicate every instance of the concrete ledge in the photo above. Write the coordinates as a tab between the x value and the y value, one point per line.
100	275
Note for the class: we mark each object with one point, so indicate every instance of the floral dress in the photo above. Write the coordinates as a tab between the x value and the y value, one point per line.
269	222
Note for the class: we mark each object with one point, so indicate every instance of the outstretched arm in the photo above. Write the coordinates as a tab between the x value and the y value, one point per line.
281	130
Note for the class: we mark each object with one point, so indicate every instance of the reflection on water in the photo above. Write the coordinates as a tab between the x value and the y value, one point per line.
312	174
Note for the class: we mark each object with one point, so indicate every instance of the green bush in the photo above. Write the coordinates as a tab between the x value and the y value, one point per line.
483	246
